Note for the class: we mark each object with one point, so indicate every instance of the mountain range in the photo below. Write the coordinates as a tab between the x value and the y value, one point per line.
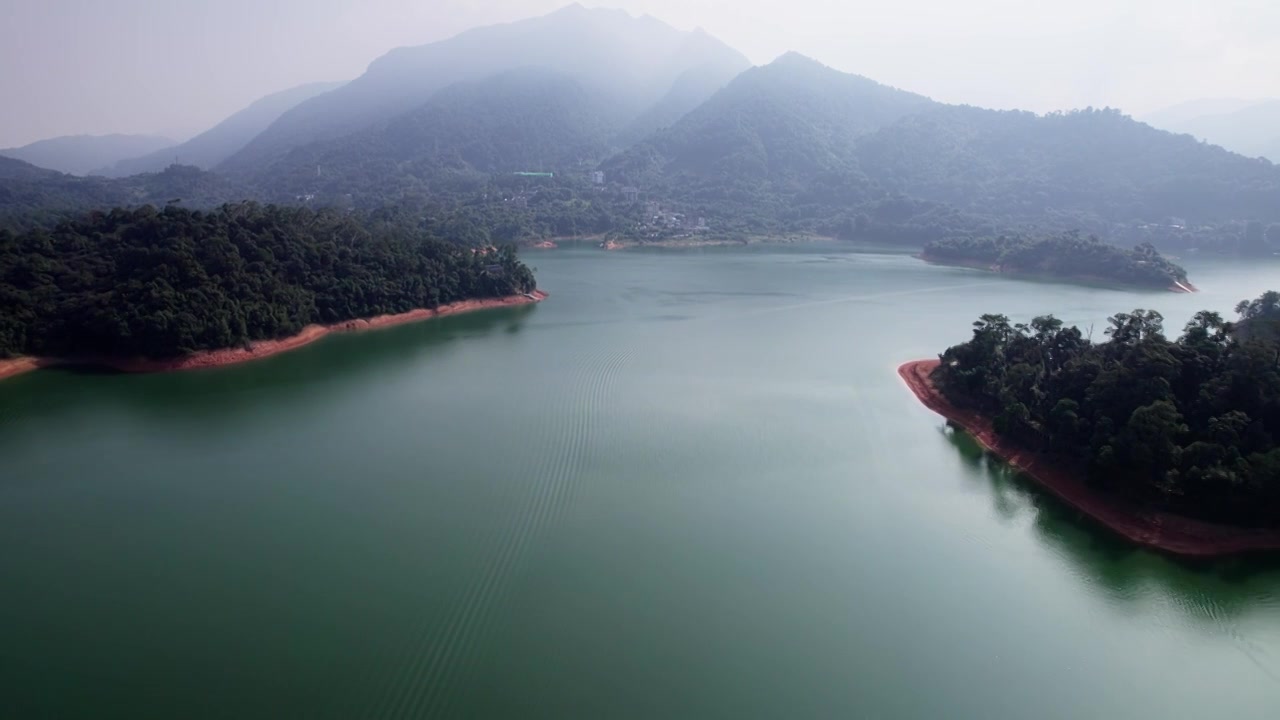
84	154
561	124
1248	127
210	148
33	197
644	68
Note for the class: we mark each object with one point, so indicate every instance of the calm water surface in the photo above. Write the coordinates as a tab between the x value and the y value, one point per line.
687	485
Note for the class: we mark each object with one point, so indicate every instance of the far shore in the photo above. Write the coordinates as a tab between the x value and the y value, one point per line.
615	242
1152	529
1091	280
261	349
707	242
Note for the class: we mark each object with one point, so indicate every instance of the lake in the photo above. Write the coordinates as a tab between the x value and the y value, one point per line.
688	484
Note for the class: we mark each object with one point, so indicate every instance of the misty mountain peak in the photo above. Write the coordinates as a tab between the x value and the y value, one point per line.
579	10
638	63
786	120
793	59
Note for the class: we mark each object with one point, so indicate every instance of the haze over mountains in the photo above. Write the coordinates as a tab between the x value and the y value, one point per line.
636	63
220	142
786	120
1248	127
83	154
681	119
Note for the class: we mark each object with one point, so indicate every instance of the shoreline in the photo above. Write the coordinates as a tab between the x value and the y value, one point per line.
261	349
1151	529
1183	286
689	243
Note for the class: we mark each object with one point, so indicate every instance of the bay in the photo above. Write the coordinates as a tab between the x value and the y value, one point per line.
688	484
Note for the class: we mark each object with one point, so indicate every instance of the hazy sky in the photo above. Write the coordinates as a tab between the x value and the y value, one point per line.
176	67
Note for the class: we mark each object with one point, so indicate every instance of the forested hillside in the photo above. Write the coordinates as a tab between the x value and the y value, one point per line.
797	146
13	169
777	138
165	283
690	89
1073	168
520	121
1191	425
789	120
33	197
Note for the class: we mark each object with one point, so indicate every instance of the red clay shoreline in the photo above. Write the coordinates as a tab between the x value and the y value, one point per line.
264	348
1155	530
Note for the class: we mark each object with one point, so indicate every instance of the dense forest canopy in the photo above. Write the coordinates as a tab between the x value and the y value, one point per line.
1062	256
1190	425
164	283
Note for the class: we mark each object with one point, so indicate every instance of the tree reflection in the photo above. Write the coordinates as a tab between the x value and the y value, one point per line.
1209	591
335	363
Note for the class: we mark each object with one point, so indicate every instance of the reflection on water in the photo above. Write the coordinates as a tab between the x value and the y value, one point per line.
690	485
1209	590
344	360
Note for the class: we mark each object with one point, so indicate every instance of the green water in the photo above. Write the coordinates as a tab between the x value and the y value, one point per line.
687	485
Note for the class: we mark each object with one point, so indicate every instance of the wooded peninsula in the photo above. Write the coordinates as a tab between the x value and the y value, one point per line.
1172	443
1068	257
167	283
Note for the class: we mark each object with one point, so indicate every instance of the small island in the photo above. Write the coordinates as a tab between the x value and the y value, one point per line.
150	290
1171	444
1068	257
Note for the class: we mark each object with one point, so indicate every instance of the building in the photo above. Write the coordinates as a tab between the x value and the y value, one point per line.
597	177
631	194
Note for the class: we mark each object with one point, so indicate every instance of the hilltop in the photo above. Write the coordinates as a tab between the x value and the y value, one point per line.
636	63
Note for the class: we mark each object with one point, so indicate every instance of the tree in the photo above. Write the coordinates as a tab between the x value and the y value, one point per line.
1150	438
1265	306
1191	424
1132	328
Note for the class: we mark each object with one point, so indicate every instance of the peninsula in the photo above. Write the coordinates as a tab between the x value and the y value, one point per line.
1151	438
261	349
1067	258
152	290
